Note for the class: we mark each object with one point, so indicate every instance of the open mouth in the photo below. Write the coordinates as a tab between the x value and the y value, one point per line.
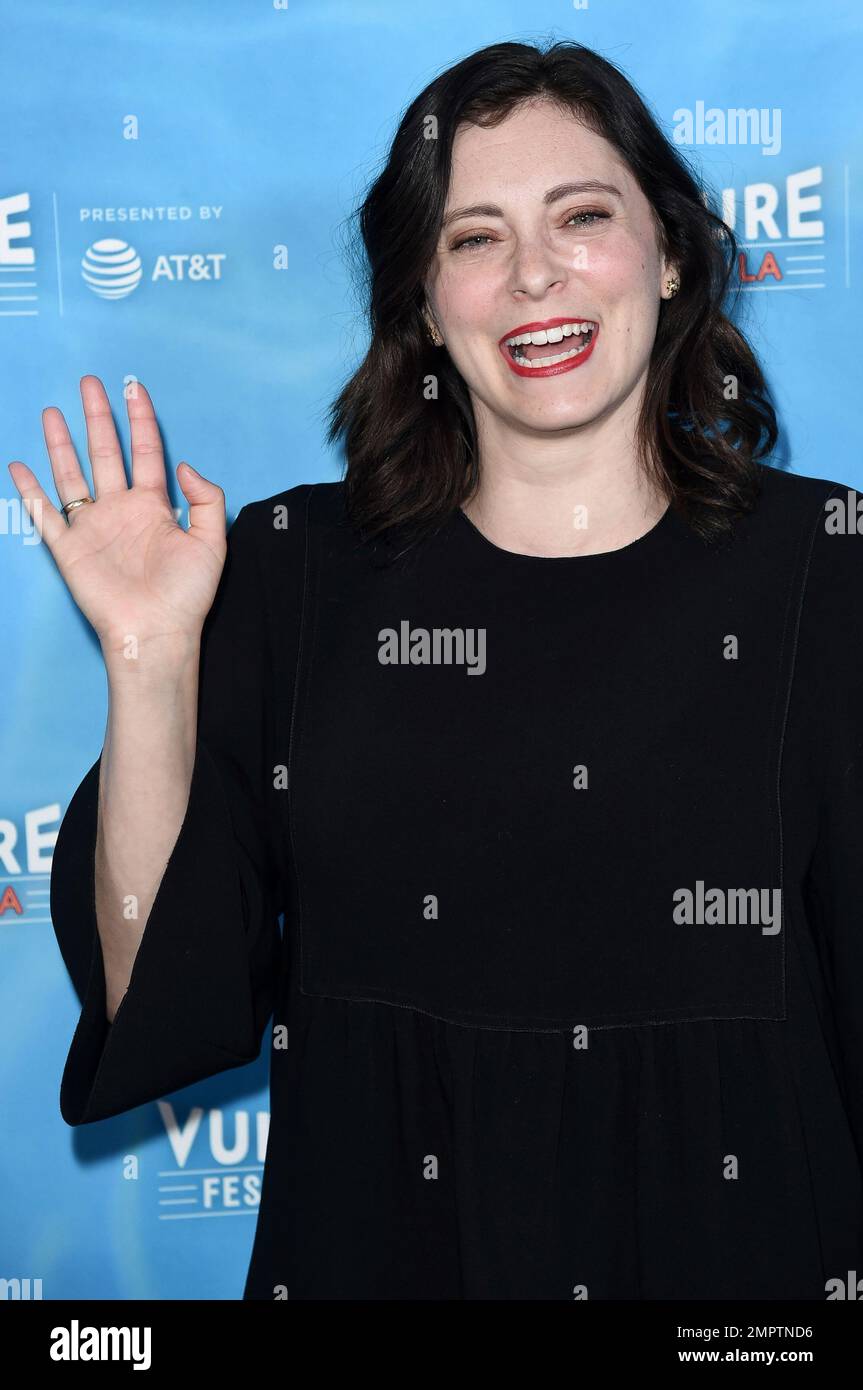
558	344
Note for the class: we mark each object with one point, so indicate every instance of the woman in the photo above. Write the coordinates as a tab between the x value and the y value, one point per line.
543	731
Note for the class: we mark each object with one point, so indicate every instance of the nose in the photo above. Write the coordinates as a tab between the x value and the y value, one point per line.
535	270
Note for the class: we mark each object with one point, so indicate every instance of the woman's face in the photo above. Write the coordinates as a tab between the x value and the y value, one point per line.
525	248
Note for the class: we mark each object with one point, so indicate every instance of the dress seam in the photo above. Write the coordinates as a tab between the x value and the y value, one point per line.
563	1028
298	670
804	580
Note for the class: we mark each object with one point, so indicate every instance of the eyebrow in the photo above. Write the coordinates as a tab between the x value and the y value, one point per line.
561	190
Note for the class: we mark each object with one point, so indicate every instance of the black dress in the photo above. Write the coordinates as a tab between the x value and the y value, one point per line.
482	788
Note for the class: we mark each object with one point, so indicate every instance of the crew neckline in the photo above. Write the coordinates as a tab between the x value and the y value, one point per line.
642	544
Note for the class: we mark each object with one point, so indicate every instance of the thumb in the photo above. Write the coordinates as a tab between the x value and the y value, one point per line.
206	505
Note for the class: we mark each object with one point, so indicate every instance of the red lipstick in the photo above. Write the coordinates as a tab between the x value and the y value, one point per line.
566	345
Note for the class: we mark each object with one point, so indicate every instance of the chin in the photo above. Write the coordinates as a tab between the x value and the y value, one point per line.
565	415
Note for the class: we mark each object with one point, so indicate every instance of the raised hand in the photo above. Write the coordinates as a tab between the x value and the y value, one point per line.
131	569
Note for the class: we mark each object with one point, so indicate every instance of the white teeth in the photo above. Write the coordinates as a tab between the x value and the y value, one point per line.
551	335
553	361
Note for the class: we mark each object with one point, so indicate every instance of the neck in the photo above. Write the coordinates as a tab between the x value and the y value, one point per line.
570	492
563	492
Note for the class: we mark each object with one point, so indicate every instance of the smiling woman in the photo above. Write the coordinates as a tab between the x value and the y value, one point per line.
561	650
589	248
548	185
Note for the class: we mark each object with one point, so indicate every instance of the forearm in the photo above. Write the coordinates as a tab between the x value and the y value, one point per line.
145	778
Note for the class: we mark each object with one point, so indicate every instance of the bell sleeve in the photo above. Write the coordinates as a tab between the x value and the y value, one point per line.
832	645
203	982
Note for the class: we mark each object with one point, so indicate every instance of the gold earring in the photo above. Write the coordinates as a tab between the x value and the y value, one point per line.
431	326
672	285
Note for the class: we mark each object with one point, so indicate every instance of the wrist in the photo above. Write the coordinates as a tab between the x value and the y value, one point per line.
152	663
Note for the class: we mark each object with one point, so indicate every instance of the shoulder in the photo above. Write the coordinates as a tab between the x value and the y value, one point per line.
265	565
821	521
813	522
833	513
275	527
317	503
793	497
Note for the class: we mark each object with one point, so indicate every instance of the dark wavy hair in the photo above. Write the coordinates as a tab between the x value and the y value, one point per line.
410	460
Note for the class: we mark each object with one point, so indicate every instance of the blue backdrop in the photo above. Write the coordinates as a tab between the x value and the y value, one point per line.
215	151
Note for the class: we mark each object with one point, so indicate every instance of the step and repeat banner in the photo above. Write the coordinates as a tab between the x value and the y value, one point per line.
213	154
